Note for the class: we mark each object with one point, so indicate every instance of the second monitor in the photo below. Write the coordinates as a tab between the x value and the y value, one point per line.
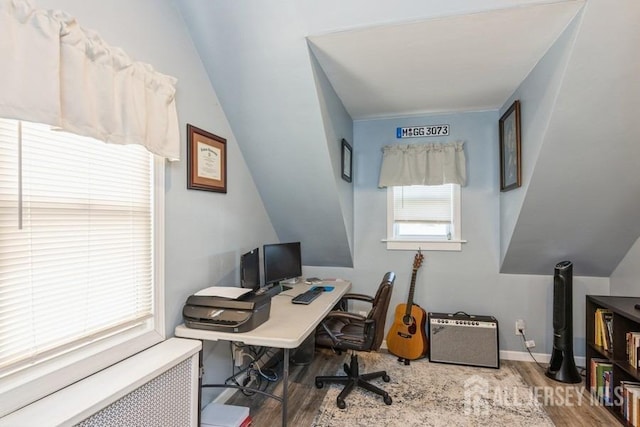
282	261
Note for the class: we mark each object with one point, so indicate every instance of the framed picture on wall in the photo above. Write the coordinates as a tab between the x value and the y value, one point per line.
206	161
347	161
510	157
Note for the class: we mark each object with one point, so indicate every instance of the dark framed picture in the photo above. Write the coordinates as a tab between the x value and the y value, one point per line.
347	161
510	157
206	161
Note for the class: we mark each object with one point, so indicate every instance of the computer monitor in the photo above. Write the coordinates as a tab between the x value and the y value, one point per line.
250	269
282	261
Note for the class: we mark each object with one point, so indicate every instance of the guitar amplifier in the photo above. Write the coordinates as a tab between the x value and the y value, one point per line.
464	339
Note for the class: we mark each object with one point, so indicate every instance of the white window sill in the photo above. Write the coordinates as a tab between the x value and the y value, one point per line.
425	245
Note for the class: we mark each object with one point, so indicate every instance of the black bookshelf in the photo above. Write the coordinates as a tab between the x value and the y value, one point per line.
626	318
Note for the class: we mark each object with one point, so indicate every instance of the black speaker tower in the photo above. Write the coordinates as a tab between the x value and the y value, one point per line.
562	366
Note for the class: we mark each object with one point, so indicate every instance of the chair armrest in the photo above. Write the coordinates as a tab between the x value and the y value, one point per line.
359	297
347	315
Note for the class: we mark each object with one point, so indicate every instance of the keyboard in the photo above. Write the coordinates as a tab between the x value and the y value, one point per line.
307	296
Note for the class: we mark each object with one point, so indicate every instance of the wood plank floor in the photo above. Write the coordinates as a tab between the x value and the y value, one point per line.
305	398
565	407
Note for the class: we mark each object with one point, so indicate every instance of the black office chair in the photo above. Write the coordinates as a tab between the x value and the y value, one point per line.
343	330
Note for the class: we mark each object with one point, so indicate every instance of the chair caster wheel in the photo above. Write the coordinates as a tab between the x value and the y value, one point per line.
341	403
319	384
387	399
386	378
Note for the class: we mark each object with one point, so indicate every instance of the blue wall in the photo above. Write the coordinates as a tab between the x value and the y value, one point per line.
337	126
451	281
626	277
206	232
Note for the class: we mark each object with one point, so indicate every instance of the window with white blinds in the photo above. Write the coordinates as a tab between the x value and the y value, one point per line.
76	241
421	203
419	213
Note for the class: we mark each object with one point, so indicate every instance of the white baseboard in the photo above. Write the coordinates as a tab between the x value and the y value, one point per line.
521	356
225	395
524	356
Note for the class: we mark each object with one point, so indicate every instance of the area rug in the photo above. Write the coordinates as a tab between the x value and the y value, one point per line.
435	394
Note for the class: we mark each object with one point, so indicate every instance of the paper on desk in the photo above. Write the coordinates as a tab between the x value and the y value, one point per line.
223	291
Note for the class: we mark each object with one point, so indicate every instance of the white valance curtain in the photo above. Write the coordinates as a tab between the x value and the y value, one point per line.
57	73
423	164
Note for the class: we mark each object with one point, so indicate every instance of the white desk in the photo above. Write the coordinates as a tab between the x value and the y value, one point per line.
288	326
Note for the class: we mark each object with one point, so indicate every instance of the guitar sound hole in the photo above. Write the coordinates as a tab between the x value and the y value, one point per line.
412	328
410	323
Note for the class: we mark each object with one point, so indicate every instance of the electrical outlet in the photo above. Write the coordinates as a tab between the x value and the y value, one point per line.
530	343
520	326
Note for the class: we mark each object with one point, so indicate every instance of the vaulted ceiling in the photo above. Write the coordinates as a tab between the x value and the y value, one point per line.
468	62
266	60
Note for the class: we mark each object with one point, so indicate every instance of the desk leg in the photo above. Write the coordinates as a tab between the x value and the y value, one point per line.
285	387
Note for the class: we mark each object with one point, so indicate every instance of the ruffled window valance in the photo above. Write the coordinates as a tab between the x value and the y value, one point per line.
58	73
423	164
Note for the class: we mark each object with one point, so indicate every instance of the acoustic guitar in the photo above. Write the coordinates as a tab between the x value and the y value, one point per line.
407	338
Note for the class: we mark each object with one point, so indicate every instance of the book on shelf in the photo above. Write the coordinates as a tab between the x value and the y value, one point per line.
630	401
608	322
633	348
603	325
607	389
597	380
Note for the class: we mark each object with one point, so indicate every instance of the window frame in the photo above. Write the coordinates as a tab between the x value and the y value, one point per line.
405	244
24	386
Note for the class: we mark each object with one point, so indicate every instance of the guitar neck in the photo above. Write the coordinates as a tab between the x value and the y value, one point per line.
411	290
